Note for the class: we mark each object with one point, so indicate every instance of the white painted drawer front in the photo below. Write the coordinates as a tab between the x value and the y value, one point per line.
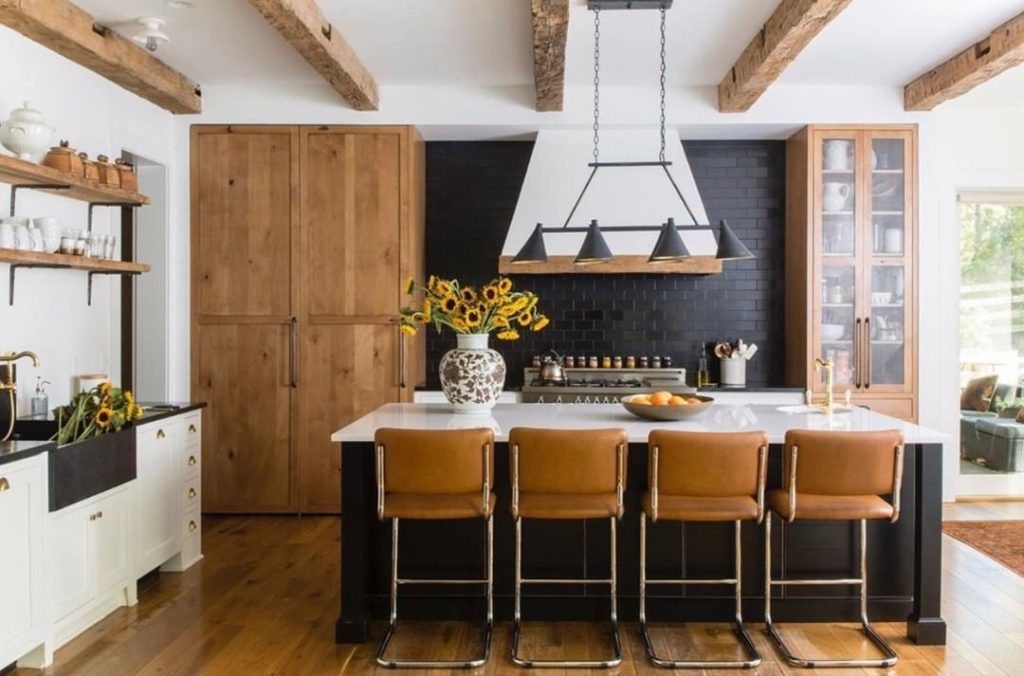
20	508
192	460
192	524
192	430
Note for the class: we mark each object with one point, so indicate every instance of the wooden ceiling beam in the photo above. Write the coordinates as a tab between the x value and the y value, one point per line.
550	28
304	26
1001	49
789	29
69	31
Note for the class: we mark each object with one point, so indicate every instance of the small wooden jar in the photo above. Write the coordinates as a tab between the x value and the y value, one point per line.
109	175
129	181
63	158
89	169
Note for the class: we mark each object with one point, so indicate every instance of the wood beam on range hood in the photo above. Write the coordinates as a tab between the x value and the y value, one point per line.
72	33
1001	49
550	28
304	26
789	29
556	265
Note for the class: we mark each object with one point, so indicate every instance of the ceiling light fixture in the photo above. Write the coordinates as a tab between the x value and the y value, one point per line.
670	245
151	37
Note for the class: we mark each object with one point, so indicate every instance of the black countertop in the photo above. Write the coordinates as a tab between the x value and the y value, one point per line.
12	451
154	411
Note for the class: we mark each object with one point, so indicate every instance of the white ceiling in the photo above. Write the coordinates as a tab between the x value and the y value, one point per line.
487	43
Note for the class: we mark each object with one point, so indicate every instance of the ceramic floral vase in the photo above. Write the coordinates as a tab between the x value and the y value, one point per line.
472	375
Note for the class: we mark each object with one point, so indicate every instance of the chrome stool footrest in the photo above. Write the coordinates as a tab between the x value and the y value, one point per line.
470	663
890	657
614	661
753	657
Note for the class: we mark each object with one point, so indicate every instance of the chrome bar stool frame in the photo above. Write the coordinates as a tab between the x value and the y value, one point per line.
616	658
753	656
890	657
396	581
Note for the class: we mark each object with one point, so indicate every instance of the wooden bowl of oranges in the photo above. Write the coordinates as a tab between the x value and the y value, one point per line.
666	405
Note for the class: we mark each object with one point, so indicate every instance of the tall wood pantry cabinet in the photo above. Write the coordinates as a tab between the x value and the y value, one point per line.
302	237
851	262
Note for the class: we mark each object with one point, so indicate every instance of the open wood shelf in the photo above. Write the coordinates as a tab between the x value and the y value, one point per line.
24	173
29	258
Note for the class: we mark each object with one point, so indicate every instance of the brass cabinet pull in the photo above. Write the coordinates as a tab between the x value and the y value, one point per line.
192	526
99	515
160	434
191	429
867	352
857	354
401	361
92	517
191	493
5	485
294	358
192	460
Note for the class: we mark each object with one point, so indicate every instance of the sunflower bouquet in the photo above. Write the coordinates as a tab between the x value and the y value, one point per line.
464	309
91	413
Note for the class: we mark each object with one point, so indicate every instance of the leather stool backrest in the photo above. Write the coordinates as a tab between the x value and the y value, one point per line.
707	464
844	463
435	461
571	462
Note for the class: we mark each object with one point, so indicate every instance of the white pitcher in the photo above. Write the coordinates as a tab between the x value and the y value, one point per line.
834	196
837	155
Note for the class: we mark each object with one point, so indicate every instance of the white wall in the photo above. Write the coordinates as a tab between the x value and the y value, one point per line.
50	315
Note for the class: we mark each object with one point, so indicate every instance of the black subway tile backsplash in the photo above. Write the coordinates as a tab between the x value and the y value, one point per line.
472	188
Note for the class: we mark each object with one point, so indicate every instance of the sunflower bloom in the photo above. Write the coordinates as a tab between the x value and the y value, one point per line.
525	319
407	329
419	317
508	310
500	322
541	322
490	293
504	285
473	318
431	283
508	334
444	288
468	294
105	387
448	304
410	285
103	416
428	310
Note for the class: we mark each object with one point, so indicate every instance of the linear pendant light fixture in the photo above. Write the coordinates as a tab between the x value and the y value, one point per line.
670	245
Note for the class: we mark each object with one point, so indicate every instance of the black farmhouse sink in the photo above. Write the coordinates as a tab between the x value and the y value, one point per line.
81	470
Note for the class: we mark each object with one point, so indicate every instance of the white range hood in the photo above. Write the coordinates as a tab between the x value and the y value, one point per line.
617	196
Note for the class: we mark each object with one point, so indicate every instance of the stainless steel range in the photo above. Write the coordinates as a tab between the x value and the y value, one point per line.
600	386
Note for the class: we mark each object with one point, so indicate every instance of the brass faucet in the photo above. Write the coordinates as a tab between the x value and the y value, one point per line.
11	357
830	403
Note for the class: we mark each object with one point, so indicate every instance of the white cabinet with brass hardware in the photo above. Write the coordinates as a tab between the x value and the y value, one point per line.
185	485
90	562
22	512
157	534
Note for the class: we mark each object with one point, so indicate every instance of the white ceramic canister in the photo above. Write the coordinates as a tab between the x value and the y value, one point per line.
25	133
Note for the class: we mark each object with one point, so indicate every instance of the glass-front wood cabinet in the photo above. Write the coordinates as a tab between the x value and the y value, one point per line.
851	264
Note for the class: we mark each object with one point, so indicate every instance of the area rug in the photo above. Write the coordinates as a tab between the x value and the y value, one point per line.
1001	540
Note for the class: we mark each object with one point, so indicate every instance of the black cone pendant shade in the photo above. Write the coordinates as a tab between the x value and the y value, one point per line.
594	249
730	248
670	246
533	251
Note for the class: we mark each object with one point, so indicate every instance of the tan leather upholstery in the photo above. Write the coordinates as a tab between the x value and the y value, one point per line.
687	508
831	507
705	476
841	475
434	474
567	474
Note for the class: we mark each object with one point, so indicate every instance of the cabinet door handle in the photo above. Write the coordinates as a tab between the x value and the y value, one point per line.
5	485
867	352
92	517
191	460
856	354
191	493
401	360
191	429
99	515
293	344
160	434
192	526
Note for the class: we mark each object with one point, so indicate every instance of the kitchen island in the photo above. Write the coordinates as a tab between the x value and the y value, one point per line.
904	565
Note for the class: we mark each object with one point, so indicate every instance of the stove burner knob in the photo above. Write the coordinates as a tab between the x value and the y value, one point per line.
540	399
559	399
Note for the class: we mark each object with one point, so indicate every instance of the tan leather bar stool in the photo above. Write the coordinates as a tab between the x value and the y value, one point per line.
836	476
701	476
428	474
567	474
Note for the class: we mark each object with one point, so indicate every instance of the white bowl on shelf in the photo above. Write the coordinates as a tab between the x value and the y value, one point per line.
881	297
832	331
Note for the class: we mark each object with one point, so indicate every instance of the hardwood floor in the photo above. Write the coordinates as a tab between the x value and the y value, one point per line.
265	598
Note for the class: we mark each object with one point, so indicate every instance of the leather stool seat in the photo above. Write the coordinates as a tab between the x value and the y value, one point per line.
563	506
437	506
697	508
831	507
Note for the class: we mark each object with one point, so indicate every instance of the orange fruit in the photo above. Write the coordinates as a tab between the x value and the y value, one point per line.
678	401
694	400
661	398
640	399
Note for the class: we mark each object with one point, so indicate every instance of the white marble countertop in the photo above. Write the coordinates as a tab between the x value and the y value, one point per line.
718	418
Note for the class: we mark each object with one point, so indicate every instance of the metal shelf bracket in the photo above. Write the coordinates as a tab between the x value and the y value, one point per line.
120	273
37	186
14	269
92	205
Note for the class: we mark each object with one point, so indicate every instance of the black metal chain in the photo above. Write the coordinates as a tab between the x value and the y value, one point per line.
597	80
661	154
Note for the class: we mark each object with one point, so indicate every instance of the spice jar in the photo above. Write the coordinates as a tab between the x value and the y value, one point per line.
631	362
617	361
592	362
606	362
568	361
643	361
656	362
536	361
667	361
